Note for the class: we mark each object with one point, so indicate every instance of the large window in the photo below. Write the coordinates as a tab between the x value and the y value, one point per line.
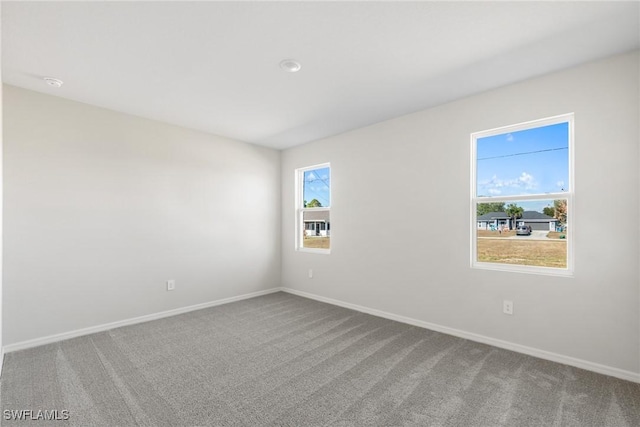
522	197
313	208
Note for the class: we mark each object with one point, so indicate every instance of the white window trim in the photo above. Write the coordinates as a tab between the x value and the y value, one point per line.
299	210
569	196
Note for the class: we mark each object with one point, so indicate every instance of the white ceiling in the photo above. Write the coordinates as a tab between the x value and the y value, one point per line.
213	66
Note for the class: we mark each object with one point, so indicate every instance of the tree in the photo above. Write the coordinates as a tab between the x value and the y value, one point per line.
549	211
560	208
314	203
514	211
485	208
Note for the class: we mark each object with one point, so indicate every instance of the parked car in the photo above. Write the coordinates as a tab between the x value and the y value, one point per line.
523	230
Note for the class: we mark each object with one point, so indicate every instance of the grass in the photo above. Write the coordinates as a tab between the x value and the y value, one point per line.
489	233
317	242
541	253
556	235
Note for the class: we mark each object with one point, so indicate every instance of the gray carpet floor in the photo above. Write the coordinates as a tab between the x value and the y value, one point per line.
283	360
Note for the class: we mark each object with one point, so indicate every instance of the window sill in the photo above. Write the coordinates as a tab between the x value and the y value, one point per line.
314	250
546	271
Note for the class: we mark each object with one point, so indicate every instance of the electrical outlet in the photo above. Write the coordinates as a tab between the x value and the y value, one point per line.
310	273
507	307
171	285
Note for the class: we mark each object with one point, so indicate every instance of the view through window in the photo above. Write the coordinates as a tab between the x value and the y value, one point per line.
522	196
314	208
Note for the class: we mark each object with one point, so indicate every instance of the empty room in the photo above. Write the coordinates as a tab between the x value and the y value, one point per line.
302	213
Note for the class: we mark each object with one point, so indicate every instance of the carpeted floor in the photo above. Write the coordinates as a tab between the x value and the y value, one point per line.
283	360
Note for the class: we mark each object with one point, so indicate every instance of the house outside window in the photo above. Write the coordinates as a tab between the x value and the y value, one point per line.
522	197
313	208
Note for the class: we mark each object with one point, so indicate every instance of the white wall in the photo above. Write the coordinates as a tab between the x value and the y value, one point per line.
101	208
413	172
1	200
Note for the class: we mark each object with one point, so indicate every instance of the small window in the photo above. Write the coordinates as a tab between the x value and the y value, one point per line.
313	208
522	194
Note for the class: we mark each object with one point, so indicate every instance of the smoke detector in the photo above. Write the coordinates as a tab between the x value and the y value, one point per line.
53	82
290	65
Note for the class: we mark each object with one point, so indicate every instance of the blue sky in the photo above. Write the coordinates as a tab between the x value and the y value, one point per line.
317	183
532	161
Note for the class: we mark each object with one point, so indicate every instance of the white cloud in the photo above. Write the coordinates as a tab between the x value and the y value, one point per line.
510	137
311	176
560	184
527	180
493	186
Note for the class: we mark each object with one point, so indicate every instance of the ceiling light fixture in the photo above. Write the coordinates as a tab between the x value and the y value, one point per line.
53	82
290	65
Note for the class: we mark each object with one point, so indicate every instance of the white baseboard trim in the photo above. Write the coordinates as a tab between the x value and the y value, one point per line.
22	345
542	354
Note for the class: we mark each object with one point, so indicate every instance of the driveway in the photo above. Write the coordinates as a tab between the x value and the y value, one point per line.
535	235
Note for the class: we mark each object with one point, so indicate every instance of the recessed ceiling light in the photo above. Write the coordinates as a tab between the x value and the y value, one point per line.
290	65
53	82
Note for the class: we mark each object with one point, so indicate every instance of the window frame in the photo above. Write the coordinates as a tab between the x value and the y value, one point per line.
300	209
568	196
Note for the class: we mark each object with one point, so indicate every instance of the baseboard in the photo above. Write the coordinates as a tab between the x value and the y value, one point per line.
107	326
542	354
